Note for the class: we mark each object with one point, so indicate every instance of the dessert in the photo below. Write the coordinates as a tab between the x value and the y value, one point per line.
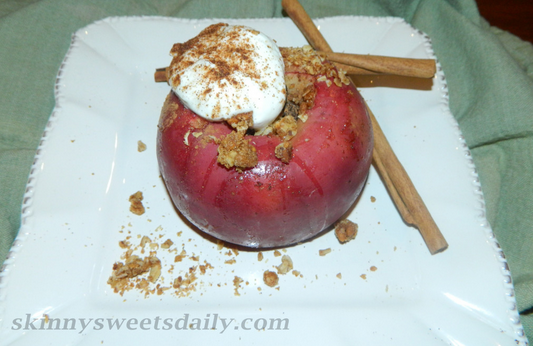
254	170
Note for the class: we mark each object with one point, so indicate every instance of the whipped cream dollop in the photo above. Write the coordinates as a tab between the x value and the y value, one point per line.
228	70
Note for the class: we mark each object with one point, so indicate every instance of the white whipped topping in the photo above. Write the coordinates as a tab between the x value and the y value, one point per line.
228	70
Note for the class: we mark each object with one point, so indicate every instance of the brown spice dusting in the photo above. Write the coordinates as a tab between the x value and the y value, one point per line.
270	279
136	206
236	58
345	231
236	151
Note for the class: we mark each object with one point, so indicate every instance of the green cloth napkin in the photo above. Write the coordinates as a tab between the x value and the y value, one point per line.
489	74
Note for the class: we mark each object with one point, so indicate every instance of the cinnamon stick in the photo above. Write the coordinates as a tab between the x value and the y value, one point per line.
160	75
402	191
358	64
421	68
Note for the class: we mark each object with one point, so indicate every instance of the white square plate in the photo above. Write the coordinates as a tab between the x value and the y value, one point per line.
390	290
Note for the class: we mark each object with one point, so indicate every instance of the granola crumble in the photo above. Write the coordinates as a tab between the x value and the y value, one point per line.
235	151
136	206
285	266
345	231
270	279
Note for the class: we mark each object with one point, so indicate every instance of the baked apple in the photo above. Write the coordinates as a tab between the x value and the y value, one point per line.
271	185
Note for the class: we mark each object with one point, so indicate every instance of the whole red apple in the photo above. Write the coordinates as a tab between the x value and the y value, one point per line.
277	202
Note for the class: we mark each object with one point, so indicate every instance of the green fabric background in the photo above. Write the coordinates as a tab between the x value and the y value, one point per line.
489	74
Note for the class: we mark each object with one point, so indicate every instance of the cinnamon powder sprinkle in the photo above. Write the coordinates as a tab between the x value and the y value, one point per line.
236	59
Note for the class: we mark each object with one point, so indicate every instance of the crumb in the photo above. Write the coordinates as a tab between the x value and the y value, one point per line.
277	253
372	199
145	240
230	261
363	276
260	256
373	268
155	269
297	273
324	252
131	268
285	128
185	285
220	244
236	151
241	122
167	244
237	284
345	231
283	151
141	146
181	256
285	266
136	206
271	279
339	276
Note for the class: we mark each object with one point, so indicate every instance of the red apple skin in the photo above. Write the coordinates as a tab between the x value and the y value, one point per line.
273	204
